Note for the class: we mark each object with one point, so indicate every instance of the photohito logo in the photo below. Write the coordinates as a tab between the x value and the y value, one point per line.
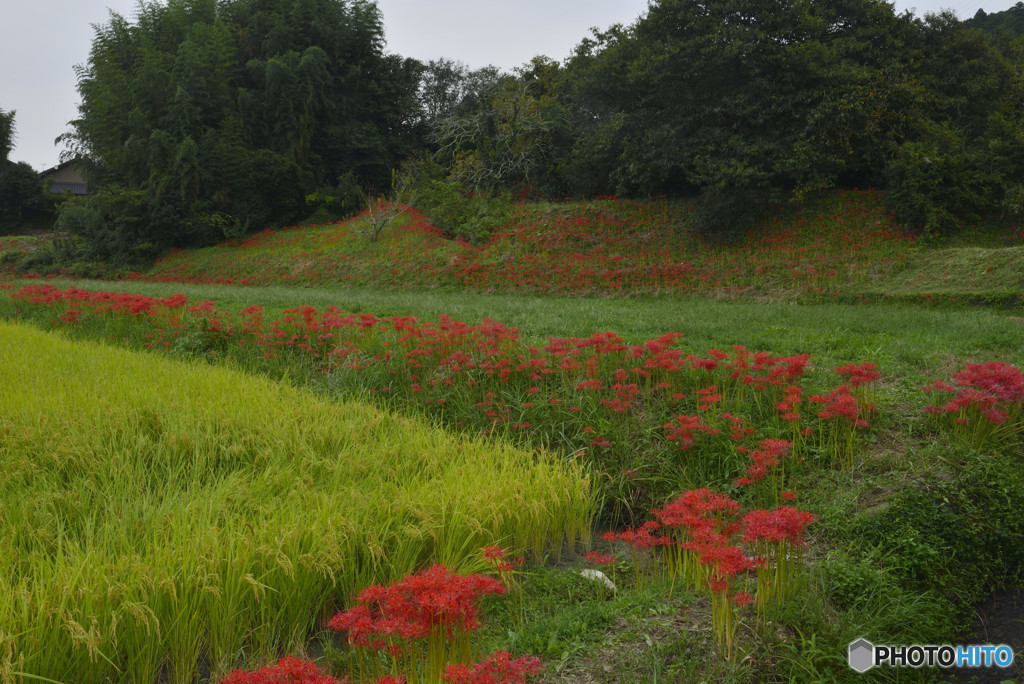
864	655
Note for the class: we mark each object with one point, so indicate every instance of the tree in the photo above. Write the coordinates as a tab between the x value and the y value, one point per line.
214	117
22	198
382	210
502	142
748	103
6	135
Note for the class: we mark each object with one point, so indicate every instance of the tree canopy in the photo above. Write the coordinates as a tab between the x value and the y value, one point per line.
203	119
747	102
206	119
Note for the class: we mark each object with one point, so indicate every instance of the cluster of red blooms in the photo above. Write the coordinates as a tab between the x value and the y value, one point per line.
840	403
789	407
784	524
499	668
683	428
495	555
858	375
765	459
598	559
435	600
287	671
994	389
707	524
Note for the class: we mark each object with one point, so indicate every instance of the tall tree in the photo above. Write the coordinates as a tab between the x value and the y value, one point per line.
6	134
219	116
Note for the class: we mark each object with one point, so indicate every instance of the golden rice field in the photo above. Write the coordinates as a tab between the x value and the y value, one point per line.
167	521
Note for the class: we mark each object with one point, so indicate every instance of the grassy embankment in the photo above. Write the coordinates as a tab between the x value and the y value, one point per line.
841	245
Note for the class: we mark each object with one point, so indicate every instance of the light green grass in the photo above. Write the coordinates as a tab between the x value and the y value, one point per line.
898	337
160	518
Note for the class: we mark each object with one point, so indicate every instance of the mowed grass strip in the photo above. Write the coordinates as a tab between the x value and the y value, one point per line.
166	520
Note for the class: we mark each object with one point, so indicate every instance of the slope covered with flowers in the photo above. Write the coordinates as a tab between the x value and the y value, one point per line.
608	246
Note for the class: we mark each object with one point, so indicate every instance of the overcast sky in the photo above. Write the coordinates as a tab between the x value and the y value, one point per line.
41	41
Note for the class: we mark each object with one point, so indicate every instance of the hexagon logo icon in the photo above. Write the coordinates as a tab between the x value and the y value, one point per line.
862	655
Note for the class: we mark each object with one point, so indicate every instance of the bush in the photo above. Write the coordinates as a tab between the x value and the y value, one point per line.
334	203
472	218
966	532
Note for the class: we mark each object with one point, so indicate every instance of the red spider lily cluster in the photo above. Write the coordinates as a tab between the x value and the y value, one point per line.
596	558
433	602
858	375
287	671
499	668
506	568
423	624
843	411
608	246
985	406
768	469
704	538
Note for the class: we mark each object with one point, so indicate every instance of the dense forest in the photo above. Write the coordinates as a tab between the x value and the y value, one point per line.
206	119
1009	21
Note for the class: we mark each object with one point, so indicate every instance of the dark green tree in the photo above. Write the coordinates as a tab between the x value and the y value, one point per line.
22	199
6	134
217	117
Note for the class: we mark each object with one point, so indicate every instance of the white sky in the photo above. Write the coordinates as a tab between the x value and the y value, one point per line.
42	40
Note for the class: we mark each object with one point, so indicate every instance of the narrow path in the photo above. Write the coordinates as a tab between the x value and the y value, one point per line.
1000	621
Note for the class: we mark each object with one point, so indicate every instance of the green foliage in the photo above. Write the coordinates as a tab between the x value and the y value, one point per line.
119	226
1010	21
503	135
226	116
472	218
23	199
335	202
963	532
939	181
753	103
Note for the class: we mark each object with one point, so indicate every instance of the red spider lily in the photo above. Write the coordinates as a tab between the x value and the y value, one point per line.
988	405
784	524
778	536
419	605
287	671
768	470
858	375
742	598
840	418
499	668
598	559
840	403
683	428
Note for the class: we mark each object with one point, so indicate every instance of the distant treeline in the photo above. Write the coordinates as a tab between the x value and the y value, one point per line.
206	119
1009	21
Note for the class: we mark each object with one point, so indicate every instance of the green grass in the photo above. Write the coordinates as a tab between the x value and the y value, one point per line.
162	519
899	337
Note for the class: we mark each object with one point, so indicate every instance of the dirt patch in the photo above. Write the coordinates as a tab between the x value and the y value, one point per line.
1000	621
656	642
